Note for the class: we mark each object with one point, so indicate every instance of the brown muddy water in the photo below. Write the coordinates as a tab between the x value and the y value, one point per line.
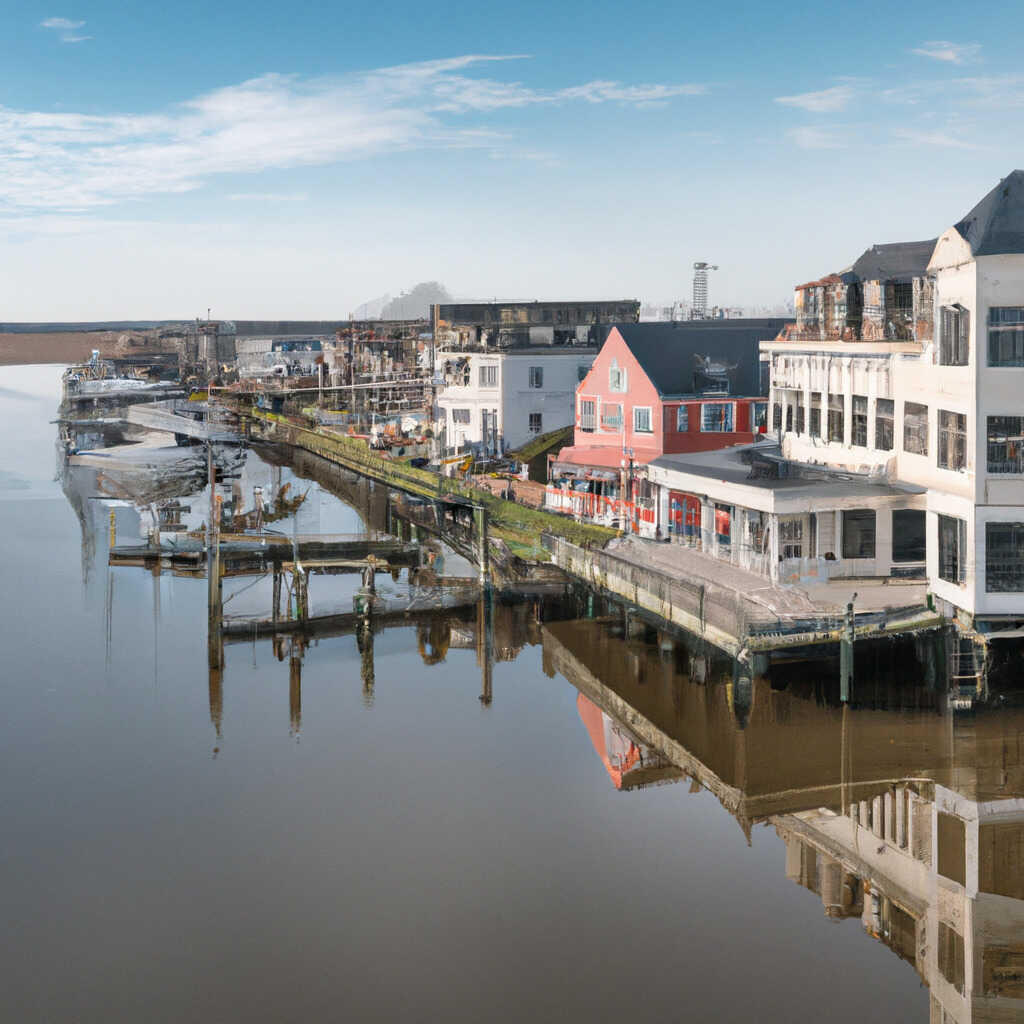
620	833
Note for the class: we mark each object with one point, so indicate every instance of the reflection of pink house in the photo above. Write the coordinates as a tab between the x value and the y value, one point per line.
656	389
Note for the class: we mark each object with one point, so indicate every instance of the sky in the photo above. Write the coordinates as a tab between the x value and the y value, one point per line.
295	160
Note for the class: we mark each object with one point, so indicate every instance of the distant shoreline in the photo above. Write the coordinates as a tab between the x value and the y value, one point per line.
56	347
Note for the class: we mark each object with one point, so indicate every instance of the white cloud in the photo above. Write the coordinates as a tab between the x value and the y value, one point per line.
76	162
817	138
951	53
67	29
268	197
823	102
934	138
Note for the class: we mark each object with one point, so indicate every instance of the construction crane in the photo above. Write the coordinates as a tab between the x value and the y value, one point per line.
699	309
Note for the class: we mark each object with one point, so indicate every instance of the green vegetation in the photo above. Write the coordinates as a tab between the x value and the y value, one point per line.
518	525
544	442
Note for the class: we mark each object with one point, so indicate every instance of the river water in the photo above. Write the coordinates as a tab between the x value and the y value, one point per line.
256	847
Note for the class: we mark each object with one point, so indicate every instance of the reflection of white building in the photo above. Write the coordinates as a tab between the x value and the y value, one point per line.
896	398
936	876
499	399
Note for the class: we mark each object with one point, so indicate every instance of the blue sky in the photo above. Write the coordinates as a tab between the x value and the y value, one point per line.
296	160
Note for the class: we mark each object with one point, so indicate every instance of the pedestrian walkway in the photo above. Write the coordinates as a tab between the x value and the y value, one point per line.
779	600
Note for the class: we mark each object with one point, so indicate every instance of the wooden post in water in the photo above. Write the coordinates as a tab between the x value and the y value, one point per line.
480	523
215	648
846	654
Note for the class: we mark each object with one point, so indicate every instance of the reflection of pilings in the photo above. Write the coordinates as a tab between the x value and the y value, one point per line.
364	641
215	646
216	700
295	687
276	599
485	645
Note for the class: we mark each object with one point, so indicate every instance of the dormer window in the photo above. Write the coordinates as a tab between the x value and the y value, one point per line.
616	377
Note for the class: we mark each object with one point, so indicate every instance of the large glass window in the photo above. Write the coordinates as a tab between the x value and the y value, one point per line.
791	538
758	416
588	414
859	533
954	332
835	418
884	432
1004	558
915	428
1006	336
952	549
814	415
1006	444
860	421
908	535
716	417
611	416
642	419
682	418
952	440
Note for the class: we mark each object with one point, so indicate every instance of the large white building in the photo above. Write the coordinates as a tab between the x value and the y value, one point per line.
898	402
498	399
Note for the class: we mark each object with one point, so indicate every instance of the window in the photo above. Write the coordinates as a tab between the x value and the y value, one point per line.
489	376
759	416
611	417
536	376
581	372
588	415
460	416
952	440
642	419
791	538
915	428
860	421
859	533
789	418
535	422
835	418
776	417
908	536
800	421
1006	444
814	415
682	418
616	377
1004	558
884	420
952	549
1006	336
954	332
716	417
723	526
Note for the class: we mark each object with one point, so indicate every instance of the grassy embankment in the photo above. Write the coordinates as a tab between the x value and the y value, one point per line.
517	525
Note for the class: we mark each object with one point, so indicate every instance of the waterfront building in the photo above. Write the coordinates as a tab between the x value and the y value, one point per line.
658	388
896	411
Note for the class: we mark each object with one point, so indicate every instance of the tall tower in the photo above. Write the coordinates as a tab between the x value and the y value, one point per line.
699	309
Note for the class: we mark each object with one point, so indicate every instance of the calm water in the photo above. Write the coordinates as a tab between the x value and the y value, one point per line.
172	852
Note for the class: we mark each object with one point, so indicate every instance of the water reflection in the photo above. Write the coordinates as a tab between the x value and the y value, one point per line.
898	813
911	821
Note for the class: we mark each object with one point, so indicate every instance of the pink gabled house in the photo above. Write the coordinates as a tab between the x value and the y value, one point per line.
657	389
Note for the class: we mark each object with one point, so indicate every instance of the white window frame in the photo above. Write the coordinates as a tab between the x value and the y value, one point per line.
649	429
488	370
536	376
539	429
682	418
617	383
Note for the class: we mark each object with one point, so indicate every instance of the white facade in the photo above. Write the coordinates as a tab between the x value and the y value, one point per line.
942	407
502	399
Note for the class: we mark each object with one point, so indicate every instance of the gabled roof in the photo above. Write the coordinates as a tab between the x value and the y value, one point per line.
672	353
895	261
996	225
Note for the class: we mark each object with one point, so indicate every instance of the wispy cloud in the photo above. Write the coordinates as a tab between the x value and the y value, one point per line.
75	162
942	139
807	137
66	28
951	53
268	197
822	102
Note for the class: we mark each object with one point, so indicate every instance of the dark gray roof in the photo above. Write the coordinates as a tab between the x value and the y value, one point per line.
895	261
674	354
996	225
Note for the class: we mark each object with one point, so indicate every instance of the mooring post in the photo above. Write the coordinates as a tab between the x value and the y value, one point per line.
846	654
480	523
276	600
